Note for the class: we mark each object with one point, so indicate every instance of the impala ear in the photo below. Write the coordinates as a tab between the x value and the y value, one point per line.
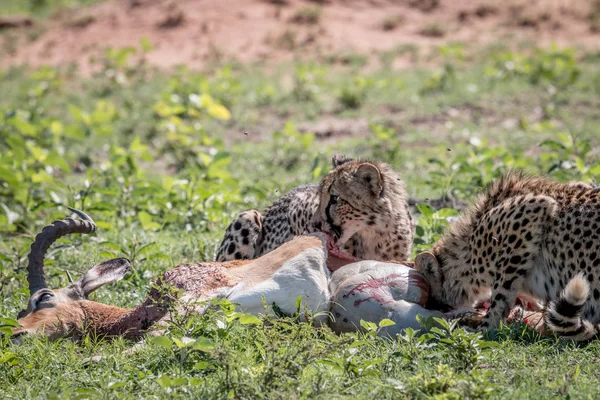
103	273
339	159
427	264
371	177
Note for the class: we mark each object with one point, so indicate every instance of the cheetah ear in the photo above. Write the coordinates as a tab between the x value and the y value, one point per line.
370	175
339	159
427	263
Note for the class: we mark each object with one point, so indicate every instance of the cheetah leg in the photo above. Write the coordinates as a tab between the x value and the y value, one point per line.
516	227
242	237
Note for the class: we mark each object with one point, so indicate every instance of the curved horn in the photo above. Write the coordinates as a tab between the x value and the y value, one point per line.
48	235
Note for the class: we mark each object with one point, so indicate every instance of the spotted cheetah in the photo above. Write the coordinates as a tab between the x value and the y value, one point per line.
524	235
370	209
252	234
364	205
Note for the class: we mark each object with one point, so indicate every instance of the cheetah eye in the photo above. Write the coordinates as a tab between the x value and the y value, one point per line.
334	198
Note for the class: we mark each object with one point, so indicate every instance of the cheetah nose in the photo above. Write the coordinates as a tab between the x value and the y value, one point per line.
317	225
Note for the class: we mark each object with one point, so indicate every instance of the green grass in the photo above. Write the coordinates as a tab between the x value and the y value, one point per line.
162	163
40	8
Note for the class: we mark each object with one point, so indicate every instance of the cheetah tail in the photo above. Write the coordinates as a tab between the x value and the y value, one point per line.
563	315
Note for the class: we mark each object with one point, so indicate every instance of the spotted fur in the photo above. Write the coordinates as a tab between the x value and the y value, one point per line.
563	316
382	225
528	235
253	234
364	205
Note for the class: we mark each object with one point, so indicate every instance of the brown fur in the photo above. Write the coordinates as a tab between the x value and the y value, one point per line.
68	313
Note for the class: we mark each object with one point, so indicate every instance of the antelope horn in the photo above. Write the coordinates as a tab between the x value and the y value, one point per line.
48	235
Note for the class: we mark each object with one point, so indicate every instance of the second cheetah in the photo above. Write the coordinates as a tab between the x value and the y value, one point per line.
528	235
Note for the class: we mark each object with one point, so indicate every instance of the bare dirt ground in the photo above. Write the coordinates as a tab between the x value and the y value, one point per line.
195	32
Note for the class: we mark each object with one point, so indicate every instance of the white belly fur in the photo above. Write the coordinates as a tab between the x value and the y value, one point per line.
365	290
372	291
304	275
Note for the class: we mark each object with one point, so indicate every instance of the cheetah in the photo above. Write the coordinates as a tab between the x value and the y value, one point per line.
369	208
528	236
364	205
252	234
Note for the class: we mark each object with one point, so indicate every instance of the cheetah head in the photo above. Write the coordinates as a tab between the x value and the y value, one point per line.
442	296
353	198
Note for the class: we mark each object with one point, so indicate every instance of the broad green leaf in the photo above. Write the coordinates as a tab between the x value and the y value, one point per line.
204	344
108	254
595	170
17	145
178	342
115	385
162	341
419	231
111	245
8	357
358	343
425	209
386	322
202	365
57	128
206	100
55	159
78	114
553	144
8	176
581	167
9	322
146	221
166	382
23	127
447	212
249	319
148	248
368	326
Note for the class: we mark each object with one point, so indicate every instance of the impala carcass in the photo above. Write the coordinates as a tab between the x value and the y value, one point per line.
365	290
298	268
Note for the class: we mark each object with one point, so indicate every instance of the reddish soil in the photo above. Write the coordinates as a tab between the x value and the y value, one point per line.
195	32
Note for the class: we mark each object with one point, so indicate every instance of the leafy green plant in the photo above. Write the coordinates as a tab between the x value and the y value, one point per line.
431	225
464	172
553	66
384	142
466	347
568	158
290	146
353	95
308	81
440	80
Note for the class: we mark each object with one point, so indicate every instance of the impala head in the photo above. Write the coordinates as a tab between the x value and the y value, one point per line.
58	312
